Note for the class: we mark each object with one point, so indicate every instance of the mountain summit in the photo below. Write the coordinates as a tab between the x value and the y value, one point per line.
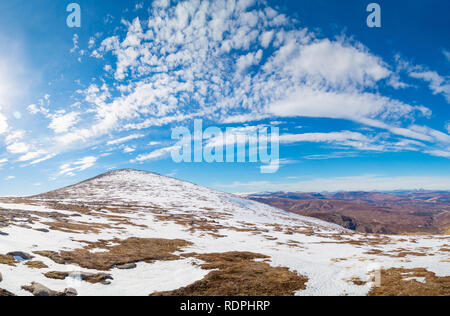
133	232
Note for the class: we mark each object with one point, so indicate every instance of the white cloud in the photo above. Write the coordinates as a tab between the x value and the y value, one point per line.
345	138
332	63
75	43
439	153
266	38
10	178
128	149
3	161
45	158
34	109
80	165
32	155
322	137
446	54
156	154
125	139
18	148
3	124
438	84
248	60
350	183
61	123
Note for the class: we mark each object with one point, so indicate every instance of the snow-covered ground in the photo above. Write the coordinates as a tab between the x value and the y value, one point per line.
153	206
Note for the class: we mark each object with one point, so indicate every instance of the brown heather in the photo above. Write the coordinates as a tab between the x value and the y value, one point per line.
237	274
131	250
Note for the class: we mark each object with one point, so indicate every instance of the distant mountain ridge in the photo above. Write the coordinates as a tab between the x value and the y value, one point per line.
399	212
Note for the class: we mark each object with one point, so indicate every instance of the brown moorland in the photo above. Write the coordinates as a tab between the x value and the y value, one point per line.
405	282
238	274
131	250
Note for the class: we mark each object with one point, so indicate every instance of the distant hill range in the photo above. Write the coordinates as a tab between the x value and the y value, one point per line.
402	212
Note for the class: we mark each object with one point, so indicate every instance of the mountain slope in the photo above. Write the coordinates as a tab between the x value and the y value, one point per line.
132	232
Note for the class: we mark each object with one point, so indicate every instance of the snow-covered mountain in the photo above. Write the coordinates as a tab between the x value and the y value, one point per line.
132	232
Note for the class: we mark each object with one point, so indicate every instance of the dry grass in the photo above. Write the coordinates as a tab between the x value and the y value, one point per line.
131	250
393	283
83	209
77	228
237	274
8	260
399	253
36	265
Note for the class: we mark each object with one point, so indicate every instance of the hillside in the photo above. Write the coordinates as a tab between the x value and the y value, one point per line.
131	232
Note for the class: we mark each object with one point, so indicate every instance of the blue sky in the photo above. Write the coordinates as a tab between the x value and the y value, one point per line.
358	108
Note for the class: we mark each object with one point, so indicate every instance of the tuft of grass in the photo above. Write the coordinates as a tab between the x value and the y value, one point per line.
8	260
238	274
36	265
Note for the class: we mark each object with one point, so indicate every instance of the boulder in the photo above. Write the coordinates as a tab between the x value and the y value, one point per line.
42	230
20	254
70	292
127	266
38	289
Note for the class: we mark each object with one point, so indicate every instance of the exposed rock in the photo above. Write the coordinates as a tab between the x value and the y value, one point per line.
20	254
38	289
93	278
70	292
42	230
5	293
3	234
127	266
1	277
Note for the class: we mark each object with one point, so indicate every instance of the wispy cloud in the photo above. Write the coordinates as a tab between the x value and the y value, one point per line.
125	139
351	183
446	54
156	154
69	169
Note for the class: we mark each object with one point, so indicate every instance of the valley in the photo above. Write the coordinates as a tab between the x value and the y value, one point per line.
370	212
